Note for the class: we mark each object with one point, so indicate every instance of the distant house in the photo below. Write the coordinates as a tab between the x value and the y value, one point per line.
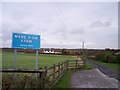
52	51
48	51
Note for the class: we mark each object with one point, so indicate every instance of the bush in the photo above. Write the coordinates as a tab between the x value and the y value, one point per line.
108	57
99	56
8	82
117	58
19	82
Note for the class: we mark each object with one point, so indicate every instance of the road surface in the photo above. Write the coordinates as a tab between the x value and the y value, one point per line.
92	79
107	71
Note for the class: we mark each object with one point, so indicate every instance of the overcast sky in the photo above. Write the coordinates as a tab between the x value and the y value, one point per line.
62	24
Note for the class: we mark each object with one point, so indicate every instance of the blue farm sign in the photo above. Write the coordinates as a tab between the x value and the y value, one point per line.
28	41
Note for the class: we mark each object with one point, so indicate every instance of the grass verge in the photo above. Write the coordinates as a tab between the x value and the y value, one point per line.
64	82
87	67
113	66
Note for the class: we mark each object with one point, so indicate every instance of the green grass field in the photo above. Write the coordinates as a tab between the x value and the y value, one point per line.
29	60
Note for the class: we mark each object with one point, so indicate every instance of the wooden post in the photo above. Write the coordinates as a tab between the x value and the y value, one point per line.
62	67
53	71
41	79
76	63
67	64
84	61
59	69
45	71
45	77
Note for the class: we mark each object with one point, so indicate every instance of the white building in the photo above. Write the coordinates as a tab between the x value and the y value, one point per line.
52	52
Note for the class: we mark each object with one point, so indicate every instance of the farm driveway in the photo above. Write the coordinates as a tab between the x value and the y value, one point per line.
107	71
92	79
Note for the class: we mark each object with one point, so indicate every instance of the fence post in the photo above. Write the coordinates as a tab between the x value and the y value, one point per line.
67	64
59	69
41	79
76	63
53	71
62	67
45	71
45	77
84	61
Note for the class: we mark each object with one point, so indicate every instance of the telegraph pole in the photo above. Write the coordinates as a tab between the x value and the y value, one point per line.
83	53
83	45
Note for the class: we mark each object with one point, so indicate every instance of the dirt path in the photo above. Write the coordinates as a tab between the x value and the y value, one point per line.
92	79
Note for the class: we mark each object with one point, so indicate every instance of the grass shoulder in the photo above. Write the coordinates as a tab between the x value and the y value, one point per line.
113	66
87	67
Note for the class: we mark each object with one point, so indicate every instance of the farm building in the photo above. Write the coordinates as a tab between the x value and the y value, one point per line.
52	51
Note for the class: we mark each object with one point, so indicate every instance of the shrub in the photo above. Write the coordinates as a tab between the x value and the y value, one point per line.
19	82
99	56
8	82
117	58
108	57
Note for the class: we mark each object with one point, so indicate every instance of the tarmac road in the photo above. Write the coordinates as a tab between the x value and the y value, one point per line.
107	71
99	77
92	79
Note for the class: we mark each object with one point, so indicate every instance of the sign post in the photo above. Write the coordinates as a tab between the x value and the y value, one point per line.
25	41
15	67
36	62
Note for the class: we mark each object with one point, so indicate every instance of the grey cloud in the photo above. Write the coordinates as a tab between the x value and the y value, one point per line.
100	24
68	33
7	28
47	23
6	32
62	44
17	16
7	43
107	24
77	30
